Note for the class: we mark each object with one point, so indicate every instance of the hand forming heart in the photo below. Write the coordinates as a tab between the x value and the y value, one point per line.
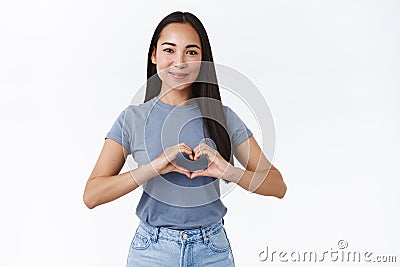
206	162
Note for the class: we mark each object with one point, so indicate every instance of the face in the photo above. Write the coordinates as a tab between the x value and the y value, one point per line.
177	56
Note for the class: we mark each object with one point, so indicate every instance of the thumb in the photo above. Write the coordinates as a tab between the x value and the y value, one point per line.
198	173
181	170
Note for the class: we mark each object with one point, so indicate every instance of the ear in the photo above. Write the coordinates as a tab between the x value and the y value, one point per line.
153	56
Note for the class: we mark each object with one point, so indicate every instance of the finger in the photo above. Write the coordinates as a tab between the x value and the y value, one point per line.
172	156
167	169
186	149
198	173
183	147
208	151
202	145
183	144
191	154
187	173
180	169
197	151
197	155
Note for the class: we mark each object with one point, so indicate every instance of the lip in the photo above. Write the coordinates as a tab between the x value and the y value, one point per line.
178	75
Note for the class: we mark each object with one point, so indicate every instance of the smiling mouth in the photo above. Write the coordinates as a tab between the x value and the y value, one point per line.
178	75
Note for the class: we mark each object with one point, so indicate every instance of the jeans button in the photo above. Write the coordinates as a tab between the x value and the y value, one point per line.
185	236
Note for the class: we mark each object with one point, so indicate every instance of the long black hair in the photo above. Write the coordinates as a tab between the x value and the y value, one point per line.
205	86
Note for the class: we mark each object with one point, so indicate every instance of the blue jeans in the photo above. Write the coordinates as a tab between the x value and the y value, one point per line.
161	246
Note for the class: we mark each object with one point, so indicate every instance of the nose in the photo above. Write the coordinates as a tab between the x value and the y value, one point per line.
179	60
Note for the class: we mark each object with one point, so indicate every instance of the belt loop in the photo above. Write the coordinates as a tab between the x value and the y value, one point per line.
203	233
155	233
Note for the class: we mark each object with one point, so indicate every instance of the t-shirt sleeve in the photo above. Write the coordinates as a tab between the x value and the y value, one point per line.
119	132
237	129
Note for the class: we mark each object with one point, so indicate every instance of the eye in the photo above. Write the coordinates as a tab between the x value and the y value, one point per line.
168	50
192	52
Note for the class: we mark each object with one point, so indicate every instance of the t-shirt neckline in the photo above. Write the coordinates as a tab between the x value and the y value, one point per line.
170	107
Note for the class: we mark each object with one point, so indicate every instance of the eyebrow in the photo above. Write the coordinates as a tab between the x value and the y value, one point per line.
188	46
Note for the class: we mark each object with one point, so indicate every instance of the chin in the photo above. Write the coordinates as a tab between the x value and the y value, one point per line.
180	87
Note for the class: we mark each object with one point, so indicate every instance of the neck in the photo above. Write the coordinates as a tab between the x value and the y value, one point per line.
175	97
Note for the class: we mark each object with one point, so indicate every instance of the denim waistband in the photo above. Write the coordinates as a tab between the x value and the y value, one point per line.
187	235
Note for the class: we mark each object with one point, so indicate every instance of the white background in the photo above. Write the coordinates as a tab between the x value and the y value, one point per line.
329	71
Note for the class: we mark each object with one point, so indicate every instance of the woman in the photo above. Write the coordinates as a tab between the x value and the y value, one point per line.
178	226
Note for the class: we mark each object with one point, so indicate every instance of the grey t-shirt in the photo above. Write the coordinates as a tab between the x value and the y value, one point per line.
173	200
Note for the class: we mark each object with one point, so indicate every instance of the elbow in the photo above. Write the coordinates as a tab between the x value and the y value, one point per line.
280	186
88	201
282	192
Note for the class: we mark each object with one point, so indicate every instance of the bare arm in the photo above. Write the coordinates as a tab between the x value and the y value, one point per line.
106	184
260	176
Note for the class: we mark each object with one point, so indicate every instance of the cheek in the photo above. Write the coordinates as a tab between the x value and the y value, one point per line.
163	63
162	69
194	66
194	69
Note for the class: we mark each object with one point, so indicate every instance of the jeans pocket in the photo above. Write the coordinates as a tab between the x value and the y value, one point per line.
141	240
219	242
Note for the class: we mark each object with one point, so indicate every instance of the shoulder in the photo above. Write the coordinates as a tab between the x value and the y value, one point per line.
229	113
139	111
226	109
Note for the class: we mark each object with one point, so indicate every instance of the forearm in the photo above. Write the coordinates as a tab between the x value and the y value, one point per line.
103	189
267	183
